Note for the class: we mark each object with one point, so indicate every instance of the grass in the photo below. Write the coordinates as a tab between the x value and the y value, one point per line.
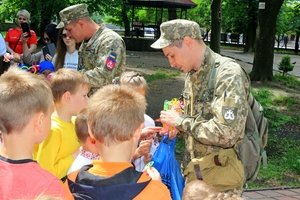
162	74
283	146
289	81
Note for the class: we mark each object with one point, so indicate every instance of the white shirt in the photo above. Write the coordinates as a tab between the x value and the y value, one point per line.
139	163
2	46
71	60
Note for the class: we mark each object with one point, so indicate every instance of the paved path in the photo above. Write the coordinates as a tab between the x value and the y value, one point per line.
248	58
273	194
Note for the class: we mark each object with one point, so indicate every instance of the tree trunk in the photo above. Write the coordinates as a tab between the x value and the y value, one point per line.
172	13
264	48
215	25
125	19
297	43
251	27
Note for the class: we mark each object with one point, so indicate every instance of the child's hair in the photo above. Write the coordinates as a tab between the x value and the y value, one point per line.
22	94
67	80
115	113
81	126
133	79
199	190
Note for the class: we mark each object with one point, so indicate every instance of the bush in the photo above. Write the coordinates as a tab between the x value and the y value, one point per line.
285	65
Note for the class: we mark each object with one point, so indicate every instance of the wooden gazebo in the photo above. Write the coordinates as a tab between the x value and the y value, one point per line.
183	5
143	44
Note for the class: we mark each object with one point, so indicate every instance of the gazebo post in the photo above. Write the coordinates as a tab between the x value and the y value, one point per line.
132	16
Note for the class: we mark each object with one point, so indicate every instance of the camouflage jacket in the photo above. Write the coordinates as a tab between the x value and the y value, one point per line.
102	57
214	118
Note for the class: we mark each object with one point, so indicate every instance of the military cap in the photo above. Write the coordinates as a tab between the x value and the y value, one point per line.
176	30
70	13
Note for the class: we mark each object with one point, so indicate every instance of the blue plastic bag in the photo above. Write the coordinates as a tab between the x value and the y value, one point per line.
168	167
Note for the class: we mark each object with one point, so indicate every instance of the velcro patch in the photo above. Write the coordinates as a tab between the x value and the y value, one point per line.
111	61
229	114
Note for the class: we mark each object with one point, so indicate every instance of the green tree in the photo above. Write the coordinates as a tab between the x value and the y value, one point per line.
295	23
42	11
242	20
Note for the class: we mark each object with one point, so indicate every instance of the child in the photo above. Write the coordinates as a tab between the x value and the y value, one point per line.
149	143
56	154
199	190
88	151
115	121
26	105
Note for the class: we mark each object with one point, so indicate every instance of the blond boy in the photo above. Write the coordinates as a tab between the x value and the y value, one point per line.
115	121
88	151
26	105
57	152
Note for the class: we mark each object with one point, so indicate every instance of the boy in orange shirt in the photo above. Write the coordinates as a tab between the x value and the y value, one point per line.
56	154
115	121
26	105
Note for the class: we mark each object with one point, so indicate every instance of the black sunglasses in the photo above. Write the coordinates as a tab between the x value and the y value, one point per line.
64	35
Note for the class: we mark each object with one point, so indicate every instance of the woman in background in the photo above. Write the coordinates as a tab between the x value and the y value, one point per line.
66	53
14	37
50	36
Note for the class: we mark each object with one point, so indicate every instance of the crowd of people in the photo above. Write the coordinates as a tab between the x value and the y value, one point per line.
81	132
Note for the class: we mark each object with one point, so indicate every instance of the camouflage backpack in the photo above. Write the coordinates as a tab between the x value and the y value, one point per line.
251	149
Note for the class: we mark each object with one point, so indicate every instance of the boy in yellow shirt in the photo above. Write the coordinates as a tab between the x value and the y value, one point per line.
56	154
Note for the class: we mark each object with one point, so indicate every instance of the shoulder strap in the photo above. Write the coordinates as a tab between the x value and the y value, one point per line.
214	71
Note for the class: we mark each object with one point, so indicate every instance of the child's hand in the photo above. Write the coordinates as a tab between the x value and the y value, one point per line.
153	173
147	158
143	149
48	57
149	132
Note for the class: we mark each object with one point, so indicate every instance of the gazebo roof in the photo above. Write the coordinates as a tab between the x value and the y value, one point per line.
163	3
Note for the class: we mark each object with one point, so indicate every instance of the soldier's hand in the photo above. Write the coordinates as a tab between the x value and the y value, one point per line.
169	117
173	133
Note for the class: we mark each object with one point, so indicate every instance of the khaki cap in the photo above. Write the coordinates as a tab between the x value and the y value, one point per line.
176	30
72	12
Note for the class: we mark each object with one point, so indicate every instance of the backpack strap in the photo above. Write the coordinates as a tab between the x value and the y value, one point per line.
120	186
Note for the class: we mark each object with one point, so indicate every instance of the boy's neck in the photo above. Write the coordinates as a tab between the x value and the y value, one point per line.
121	152
16	146
62	114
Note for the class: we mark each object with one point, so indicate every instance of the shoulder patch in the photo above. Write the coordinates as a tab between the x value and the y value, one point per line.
229	114
111	61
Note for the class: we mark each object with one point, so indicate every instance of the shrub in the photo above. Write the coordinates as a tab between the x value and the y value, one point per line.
285	65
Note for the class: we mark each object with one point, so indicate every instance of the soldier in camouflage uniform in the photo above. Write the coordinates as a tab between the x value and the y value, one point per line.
214	118
102	52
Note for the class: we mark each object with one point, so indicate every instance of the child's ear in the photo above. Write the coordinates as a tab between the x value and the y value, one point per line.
66	96
91	134
38	122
